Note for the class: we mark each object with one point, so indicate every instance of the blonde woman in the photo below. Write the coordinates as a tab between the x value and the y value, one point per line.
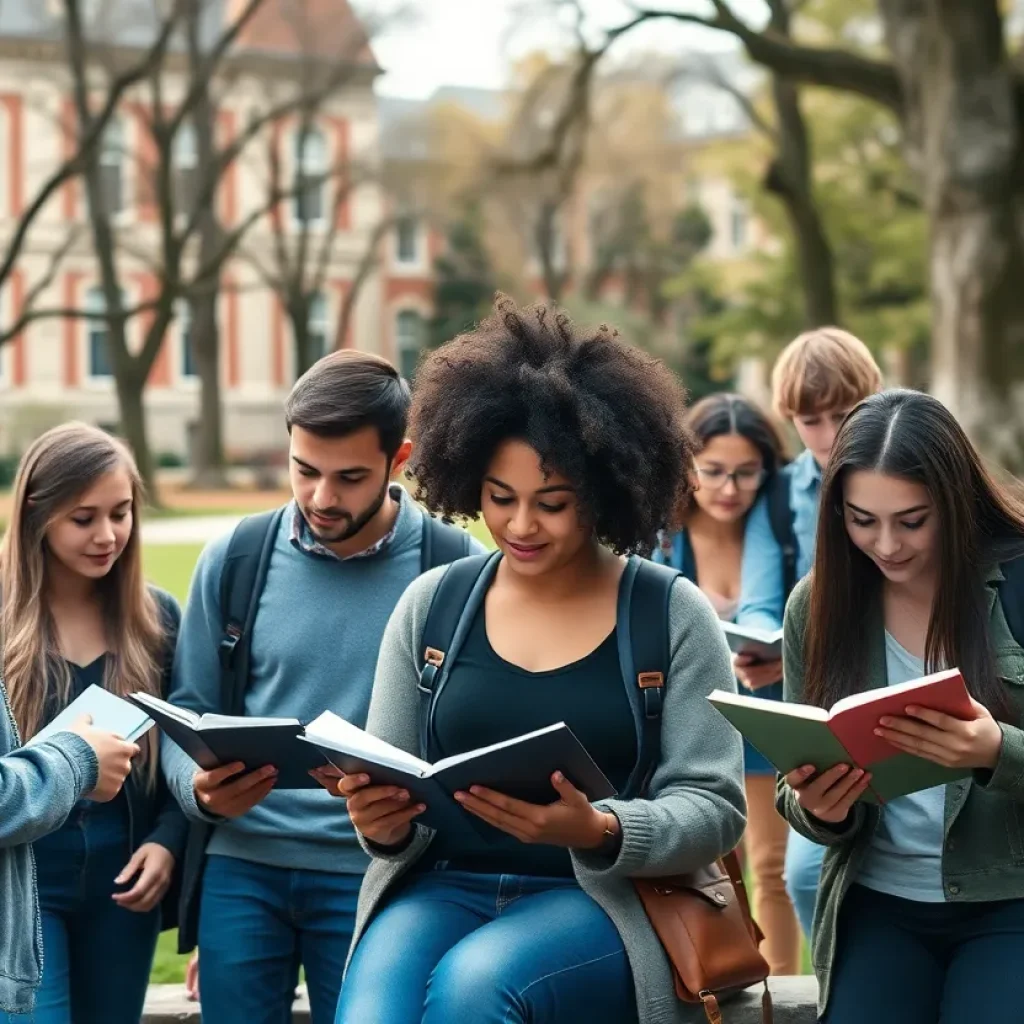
75	611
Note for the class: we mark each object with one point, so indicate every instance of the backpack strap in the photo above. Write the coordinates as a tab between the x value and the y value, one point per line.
241	583
644	654
459	594
441	543
1011	597
780	514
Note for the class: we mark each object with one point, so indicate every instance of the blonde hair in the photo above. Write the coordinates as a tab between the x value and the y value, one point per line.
56	470
821	370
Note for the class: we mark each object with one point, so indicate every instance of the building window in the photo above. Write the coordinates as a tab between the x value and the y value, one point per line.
410	335
407	239
310	176
739	225
188	358
111	168
98	354
317	327
185	163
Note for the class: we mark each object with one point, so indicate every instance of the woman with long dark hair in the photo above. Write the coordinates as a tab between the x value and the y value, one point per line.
920	916
739	454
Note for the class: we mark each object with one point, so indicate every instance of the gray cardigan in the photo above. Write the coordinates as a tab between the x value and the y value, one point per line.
695	813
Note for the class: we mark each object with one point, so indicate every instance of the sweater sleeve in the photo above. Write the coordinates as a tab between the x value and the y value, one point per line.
696	810
40	784
810	827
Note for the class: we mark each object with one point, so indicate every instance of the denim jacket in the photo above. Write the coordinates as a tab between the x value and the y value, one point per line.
762	588
39	786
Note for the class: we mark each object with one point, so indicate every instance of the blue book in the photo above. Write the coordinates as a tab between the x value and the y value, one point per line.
110	713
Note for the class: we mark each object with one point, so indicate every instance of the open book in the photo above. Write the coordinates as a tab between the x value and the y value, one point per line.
791	735
759	643
212	740
520	767
110	713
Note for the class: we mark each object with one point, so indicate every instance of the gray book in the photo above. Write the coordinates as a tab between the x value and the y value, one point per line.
110	713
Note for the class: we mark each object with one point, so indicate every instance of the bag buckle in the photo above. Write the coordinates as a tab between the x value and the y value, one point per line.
649	680
432	656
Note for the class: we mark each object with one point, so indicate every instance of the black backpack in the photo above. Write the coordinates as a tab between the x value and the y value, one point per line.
642	632
241	583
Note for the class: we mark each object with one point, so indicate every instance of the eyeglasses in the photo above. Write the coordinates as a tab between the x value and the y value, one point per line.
744	479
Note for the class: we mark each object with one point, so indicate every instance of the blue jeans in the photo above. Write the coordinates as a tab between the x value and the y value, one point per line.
803	872
96	955
454	947
902	962
257	925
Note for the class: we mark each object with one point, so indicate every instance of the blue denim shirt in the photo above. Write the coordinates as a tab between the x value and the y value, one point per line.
762	590
39	786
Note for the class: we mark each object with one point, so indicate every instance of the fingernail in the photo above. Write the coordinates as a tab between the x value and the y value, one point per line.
885	721
559	777
878	732
857	773
843	769
402	795
475	790
913	709
807	769
460	797
362	779
420	808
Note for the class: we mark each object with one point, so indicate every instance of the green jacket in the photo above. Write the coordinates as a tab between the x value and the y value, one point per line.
983	855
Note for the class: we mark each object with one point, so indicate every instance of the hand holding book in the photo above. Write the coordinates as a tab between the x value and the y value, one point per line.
945	740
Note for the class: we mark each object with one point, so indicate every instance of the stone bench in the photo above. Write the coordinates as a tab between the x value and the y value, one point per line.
794	1004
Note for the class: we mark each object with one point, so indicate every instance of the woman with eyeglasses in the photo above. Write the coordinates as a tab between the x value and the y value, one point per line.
739	454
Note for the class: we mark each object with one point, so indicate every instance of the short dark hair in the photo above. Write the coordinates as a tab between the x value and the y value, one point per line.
346	391
606	415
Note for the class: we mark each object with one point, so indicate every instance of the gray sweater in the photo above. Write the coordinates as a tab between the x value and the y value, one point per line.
696	809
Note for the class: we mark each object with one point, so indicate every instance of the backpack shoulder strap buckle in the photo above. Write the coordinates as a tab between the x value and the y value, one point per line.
432	656
646	680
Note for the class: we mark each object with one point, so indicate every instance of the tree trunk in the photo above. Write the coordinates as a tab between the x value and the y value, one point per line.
964	136
791	178
298	313
130	389
208	470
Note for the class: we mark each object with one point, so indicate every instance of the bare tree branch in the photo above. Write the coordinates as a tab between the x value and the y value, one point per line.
88	142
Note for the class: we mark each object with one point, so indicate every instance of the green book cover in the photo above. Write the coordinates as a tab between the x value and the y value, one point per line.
791	735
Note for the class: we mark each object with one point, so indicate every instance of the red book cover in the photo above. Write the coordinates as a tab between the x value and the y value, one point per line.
853	720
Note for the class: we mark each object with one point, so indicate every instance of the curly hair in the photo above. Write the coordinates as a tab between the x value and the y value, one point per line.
604	414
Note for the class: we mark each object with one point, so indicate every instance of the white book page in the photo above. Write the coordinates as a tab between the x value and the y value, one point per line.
762	636
469	755
333	732
183	715
771	707
211	721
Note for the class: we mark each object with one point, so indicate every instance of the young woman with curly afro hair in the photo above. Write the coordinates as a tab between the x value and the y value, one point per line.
571	445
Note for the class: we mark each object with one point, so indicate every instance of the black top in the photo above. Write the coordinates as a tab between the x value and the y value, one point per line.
487	699
82	677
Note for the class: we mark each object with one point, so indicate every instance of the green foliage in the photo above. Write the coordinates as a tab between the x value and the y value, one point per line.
874	223
8	470
464	279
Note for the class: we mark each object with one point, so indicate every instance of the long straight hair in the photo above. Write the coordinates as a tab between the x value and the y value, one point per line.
54	473
912	436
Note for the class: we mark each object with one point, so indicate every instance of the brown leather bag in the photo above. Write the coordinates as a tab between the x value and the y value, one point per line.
703	922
